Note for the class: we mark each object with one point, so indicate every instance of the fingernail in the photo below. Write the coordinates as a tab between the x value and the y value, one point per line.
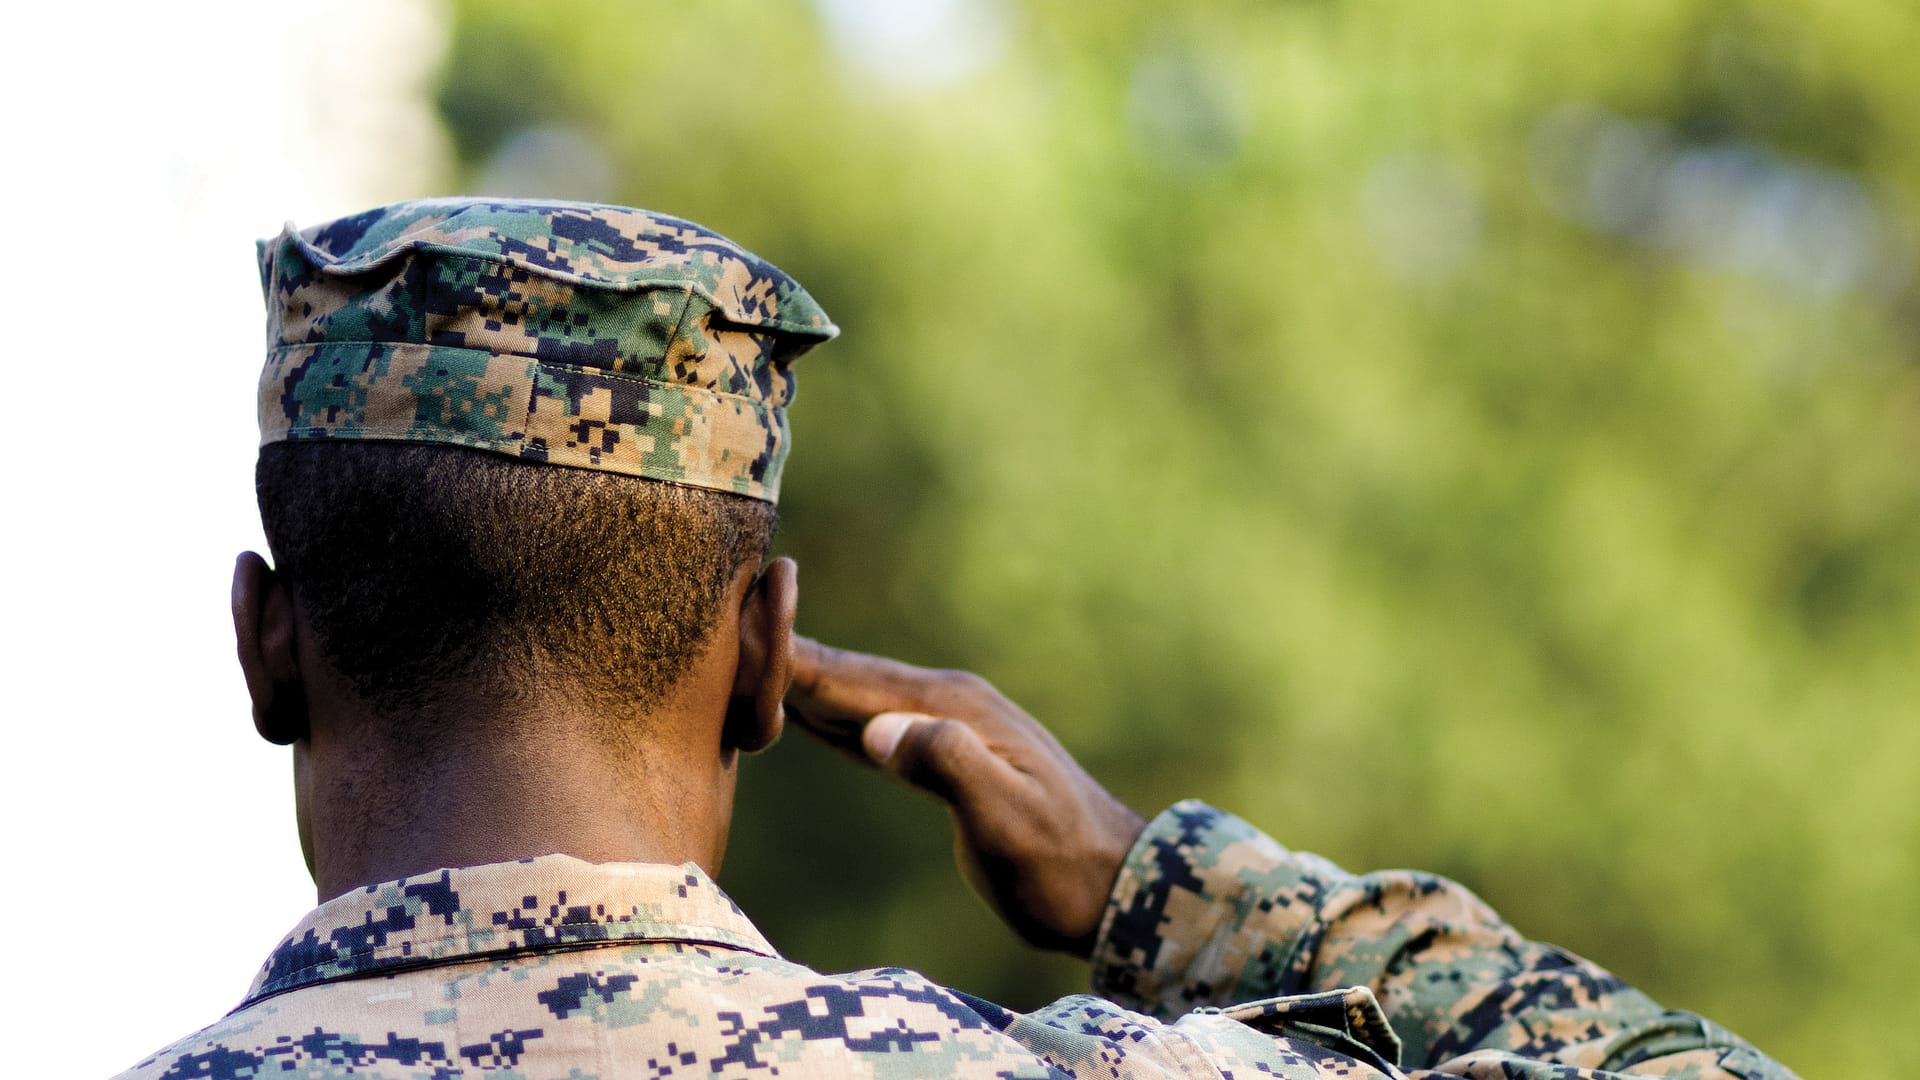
882	734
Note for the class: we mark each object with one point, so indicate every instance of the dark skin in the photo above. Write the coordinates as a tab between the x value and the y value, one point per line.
1034	834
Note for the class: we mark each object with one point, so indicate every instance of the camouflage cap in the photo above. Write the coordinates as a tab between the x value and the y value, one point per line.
593	336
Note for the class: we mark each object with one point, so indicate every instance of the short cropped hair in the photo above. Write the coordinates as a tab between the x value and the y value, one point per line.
428	568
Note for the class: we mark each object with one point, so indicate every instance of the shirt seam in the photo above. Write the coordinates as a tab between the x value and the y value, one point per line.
714	935
294	980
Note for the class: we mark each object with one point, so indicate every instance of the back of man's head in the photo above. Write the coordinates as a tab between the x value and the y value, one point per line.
437	576
513	446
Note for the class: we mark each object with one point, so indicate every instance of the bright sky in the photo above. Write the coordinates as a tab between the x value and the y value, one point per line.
151	857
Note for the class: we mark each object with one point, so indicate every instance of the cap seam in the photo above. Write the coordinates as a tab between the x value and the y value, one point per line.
763	490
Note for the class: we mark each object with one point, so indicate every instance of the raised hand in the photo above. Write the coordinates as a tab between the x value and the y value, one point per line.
1039	838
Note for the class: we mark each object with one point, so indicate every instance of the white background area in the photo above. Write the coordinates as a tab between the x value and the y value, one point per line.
150	855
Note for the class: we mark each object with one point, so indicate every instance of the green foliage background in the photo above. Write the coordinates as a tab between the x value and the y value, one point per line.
1247	389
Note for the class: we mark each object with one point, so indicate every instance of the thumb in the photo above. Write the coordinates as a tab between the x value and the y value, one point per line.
942	756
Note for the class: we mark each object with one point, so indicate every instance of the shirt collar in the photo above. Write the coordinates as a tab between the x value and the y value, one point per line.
546	903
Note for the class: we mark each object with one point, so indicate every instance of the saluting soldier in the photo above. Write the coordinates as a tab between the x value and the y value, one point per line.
518	469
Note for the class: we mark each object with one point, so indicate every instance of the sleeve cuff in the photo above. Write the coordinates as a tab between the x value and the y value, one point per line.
1206	910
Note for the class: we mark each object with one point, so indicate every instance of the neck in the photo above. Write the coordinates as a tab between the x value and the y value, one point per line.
504	790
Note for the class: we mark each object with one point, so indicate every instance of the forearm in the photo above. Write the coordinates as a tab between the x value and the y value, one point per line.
1208	911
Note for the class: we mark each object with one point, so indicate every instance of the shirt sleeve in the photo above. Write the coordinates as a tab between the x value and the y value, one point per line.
1208	913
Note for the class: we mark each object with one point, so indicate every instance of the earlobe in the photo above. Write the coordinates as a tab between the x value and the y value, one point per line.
765	669
264	636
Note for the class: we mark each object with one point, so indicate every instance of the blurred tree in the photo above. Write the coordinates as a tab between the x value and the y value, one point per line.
1477	438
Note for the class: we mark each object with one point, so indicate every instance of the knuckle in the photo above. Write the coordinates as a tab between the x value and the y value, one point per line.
957	681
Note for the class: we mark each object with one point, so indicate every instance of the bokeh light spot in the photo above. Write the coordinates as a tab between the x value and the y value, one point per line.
912	45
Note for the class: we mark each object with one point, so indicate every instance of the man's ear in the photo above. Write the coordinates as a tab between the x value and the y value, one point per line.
766	658
263	631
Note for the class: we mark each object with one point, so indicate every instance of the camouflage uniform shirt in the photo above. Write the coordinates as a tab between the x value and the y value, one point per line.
1221	955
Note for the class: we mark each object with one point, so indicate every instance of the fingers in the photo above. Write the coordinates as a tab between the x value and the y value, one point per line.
839	683
943	756
833	692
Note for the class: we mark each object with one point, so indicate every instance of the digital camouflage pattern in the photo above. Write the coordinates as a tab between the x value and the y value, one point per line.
577	334
1244	959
